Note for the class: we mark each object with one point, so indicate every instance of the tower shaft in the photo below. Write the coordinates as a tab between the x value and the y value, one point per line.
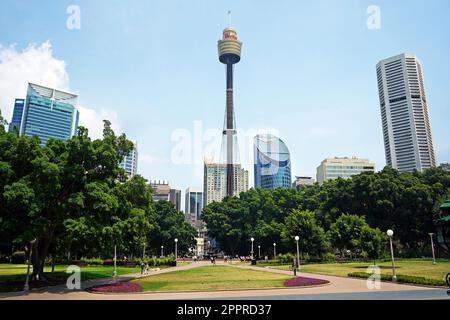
230	131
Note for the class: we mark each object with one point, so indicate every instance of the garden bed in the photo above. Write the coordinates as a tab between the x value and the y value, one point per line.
304	282
119	287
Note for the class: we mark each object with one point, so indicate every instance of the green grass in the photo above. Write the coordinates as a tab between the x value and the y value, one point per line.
212	278
408	267
17	272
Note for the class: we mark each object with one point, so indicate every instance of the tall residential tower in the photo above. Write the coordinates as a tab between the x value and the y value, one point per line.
407	134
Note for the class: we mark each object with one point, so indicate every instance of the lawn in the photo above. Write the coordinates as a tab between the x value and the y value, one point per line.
17	272
212	278
410	267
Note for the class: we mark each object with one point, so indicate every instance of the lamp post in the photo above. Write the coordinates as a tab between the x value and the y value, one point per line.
26	286
253	239
432	247
176	252
298	251
274	251
143	252
390	233
162	251
115	263
259	251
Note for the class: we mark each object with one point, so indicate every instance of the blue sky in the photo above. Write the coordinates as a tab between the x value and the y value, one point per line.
307	70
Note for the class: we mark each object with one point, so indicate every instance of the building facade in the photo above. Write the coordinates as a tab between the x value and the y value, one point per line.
215	181
130	162
16	120
161	190
49	113
194	202
272	162
407	135
175	198
333	168
303	182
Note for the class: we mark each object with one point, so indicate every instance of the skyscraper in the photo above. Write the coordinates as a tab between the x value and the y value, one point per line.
194	202
230	54
130	162
333	168
17	115
272	162
49	113
407	133
215	178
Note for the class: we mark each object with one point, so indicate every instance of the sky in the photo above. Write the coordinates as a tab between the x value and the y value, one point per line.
151	67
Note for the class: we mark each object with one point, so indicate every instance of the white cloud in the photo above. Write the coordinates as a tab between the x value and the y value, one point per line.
33	64
93	120
148	159
37	64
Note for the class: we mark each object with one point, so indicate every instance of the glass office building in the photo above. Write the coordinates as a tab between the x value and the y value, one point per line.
17	115
272	163
49	113
194	202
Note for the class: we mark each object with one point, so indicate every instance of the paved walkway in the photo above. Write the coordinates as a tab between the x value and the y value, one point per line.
339	288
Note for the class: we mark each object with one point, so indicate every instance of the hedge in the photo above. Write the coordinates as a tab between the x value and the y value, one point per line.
402	279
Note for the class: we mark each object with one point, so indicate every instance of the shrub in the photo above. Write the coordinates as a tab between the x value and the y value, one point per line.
92	261
402	279
286	258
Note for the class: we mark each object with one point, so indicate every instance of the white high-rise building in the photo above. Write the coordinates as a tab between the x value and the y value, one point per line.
129	163
215	181
333	168
407	133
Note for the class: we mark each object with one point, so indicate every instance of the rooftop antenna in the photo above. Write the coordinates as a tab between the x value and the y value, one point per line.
229	18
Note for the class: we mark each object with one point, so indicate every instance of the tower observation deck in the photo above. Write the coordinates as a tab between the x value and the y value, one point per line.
230	54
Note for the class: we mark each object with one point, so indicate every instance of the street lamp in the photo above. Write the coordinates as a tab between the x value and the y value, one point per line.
143	252
390	233
253	239
298	252
176	252
259	251
274	250
432	247
162	251
115	263
26	287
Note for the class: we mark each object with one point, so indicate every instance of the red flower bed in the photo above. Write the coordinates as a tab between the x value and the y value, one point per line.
120	287
303	281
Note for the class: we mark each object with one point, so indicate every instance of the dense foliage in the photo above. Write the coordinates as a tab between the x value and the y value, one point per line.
73	197
343	217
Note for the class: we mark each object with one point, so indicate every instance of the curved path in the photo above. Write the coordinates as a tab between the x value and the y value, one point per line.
339	288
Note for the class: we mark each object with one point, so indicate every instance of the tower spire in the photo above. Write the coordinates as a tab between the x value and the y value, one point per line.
229	18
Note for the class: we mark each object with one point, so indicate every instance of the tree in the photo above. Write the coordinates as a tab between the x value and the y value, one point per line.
63	184
312	236
171	224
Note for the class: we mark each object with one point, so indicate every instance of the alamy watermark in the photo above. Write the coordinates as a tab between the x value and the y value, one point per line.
374	19
74	280
74	19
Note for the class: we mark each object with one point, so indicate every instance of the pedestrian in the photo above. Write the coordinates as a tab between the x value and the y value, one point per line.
146	268
142	267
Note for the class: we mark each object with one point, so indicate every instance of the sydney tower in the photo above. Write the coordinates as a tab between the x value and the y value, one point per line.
230	54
